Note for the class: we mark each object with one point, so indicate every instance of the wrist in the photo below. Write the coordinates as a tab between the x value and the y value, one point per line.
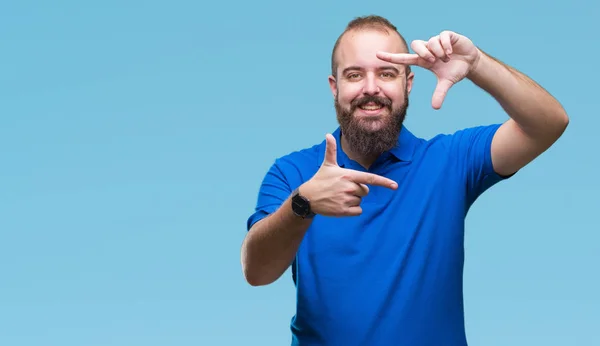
301	203
306	190
477	67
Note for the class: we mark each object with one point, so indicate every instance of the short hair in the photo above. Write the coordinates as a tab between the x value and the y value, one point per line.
366	22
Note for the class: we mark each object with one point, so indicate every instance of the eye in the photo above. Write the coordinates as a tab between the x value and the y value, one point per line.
387	75
353	76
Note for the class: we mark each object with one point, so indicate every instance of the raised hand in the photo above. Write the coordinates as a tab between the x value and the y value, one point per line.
336	191
450	56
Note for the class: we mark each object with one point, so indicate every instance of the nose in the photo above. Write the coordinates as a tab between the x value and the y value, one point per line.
370	87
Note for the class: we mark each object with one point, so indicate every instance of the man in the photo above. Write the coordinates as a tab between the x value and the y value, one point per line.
372	219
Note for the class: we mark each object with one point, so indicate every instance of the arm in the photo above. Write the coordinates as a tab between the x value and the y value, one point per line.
537	118
271	244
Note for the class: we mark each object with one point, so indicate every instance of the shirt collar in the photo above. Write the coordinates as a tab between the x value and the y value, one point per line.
404	150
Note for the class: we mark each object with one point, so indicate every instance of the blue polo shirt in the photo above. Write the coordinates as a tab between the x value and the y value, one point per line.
393	275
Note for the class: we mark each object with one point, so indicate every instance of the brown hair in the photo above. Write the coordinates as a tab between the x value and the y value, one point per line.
366	22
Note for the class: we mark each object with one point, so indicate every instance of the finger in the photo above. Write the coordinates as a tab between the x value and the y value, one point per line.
354	211
435	46
362	190
440	93
446	42
420	47
401	58
330	150
353	201
372	179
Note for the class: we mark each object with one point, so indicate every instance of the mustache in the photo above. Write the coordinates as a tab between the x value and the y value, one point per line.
381	101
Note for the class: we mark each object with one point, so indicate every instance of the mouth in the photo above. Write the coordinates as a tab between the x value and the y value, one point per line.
371	108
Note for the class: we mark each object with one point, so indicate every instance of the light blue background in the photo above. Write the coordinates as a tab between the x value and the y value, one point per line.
134	136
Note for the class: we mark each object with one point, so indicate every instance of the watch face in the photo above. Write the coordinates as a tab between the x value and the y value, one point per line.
300	206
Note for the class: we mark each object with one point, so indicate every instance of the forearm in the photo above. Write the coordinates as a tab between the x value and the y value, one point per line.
539	115
271	244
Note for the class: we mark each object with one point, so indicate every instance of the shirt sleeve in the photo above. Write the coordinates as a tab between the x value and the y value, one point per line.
274	190
474	149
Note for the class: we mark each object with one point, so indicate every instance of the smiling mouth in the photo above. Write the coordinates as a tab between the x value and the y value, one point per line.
371	107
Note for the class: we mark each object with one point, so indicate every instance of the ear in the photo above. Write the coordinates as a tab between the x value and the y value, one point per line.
333	85
409	81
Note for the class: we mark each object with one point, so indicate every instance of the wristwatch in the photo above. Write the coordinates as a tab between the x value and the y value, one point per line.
301	205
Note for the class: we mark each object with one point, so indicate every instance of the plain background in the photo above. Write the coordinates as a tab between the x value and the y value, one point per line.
134	136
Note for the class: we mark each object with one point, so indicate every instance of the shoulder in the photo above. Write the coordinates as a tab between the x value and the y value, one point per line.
298	166
455	143
464	153
465	156
300	158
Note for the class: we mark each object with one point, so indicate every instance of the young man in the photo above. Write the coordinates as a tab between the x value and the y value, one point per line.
372	219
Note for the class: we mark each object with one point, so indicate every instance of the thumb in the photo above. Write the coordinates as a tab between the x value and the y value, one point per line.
441	90
330	150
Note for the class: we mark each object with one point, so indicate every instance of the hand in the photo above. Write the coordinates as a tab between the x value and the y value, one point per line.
449	55
336	191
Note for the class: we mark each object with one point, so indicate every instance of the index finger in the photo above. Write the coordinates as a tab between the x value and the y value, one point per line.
372	179
400	58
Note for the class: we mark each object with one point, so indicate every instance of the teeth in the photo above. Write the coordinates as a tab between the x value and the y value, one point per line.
371	108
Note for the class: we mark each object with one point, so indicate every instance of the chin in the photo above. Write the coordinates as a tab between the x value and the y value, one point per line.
372	123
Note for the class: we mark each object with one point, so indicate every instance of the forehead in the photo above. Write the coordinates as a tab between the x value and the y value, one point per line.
360	47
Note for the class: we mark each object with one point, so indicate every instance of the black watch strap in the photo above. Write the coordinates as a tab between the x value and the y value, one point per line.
301	205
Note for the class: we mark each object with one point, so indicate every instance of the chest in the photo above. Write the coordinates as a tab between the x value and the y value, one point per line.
425	214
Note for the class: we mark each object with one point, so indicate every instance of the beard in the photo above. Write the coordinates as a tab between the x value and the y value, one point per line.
370	137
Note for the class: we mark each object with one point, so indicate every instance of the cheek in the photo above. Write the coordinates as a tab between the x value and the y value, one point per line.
347	94
394	93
